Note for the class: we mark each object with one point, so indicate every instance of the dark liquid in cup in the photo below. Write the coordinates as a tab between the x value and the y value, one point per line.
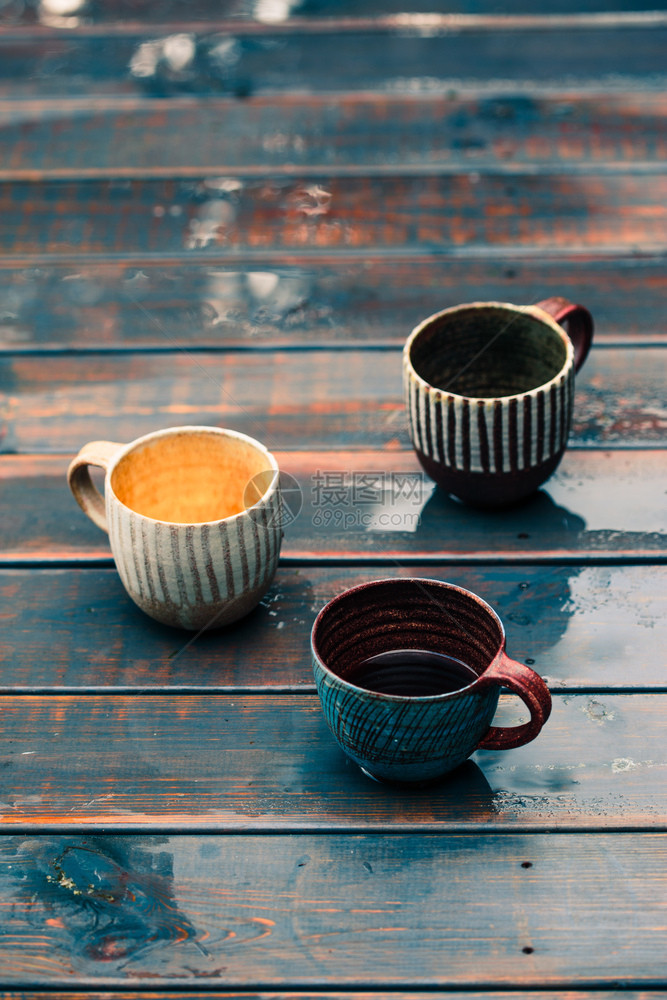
412	672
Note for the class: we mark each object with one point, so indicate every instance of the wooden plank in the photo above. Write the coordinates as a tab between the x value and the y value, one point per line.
147	12
396	56
360	911
598	506
306	399
352	134
92	305
593	627
268	762
227	214
331	912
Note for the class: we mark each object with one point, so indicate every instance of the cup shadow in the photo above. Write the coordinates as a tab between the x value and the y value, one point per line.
540	604
463	793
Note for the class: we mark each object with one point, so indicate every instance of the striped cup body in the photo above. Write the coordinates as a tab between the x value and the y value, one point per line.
489	391
194	572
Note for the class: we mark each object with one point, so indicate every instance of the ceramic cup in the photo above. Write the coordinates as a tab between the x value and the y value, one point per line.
418	736
489	390
193	517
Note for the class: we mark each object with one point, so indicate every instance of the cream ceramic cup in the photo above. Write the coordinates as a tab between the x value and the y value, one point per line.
193	518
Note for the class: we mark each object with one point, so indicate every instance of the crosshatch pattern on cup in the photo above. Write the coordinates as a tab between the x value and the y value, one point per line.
415	736
506	410
424	750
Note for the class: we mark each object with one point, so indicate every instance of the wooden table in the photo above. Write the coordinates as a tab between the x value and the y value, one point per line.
231	213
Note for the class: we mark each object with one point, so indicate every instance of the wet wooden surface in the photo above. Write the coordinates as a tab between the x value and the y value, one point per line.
600	506
266	762
400	213
452	132
349	55
567	619
357	908
313	399
234	213
279	302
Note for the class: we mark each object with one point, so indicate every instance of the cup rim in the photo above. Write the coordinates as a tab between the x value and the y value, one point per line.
226	432
533	310
369	584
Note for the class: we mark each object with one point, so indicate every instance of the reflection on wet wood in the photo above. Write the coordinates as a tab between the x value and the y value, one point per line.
599	626
307	302
249	761
202	216
242	63
394	134
308	399
599	505
286	910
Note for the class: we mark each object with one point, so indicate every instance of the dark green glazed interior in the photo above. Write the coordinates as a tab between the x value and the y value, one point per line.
487	352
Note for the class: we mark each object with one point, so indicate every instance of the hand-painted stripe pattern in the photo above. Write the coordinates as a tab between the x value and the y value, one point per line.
185	574
489	435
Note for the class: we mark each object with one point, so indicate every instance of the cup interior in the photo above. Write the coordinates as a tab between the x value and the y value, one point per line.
403	614
192	476
487	351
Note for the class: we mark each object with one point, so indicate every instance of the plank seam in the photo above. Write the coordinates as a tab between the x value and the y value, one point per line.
407	254
302	347
395	829
490	168
170	103
424	25
361	560
269	691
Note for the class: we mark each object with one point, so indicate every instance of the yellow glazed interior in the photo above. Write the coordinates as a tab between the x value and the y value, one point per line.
192	477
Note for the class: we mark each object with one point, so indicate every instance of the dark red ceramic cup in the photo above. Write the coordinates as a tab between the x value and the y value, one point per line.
489	390
419	736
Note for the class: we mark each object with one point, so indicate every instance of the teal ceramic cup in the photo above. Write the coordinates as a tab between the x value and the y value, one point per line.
424	722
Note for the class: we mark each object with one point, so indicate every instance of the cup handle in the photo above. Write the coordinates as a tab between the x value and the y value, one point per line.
577	322
86	494
533	692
